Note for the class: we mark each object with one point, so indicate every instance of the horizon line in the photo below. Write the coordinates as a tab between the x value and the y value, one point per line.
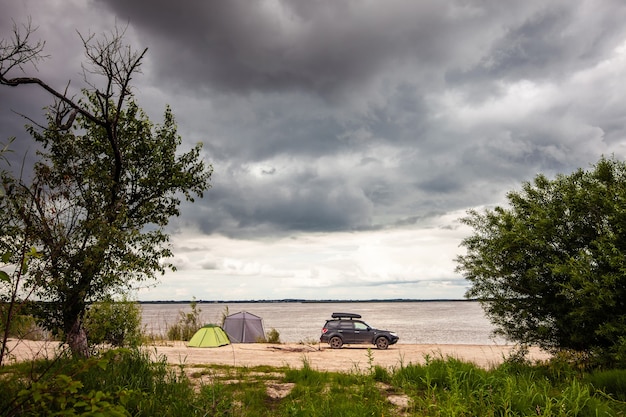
302	300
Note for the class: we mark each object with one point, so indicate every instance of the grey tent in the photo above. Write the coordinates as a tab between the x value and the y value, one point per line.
244	327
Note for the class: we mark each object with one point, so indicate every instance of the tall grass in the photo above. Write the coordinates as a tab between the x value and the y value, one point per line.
449	387
610	382
140	383
328	393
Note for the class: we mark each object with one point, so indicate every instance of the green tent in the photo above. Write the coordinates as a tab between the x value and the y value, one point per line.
210	335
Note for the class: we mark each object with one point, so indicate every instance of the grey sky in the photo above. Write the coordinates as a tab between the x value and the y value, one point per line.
347	136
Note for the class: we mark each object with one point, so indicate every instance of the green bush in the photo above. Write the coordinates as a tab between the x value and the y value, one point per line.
57	388
117	323
64	396
273	336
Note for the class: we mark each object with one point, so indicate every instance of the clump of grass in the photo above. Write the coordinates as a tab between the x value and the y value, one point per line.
611	382
306	376
381	374
327	393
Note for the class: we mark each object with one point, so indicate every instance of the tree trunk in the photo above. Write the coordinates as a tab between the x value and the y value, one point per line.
77	340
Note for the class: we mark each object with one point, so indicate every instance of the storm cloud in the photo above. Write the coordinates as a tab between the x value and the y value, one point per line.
334	125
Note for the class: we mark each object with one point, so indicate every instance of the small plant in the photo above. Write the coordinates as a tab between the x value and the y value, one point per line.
273	336
370	361
518	355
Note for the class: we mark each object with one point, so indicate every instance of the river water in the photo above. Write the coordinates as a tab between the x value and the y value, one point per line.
419	322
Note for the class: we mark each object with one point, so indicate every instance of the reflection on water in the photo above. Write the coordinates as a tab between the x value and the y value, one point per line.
435	322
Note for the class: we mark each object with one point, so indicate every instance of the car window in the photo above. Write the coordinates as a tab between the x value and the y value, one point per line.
360	325
332	324
346	325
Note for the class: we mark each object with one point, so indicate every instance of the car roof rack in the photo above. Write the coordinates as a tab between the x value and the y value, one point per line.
345	316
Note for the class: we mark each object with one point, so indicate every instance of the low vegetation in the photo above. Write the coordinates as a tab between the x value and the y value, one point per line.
135	381
125	382
187	324
116	323
273	336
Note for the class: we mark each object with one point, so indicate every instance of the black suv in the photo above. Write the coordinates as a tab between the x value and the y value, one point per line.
344	329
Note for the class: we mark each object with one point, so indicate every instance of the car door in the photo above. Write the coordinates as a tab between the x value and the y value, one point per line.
346	328
362	332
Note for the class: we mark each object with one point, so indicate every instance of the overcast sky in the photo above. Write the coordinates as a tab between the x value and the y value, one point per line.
348	137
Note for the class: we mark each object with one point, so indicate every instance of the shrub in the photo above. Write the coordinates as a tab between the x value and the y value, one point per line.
114	322
64	396
273	336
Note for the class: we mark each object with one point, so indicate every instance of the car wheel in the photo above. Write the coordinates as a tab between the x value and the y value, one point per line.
382	343
335	342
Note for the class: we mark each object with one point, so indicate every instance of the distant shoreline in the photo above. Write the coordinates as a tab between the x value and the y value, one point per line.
302	301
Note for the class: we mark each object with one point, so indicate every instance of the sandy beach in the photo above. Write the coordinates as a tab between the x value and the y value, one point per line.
318	356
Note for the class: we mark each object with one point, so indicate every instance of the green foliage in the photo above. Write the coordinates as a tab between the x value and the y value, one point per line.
218	399
63	396
60	394
611	382
273	336
188	324
132	382
107	183
327	393
549	269
119	382
115	246
451	387
117	323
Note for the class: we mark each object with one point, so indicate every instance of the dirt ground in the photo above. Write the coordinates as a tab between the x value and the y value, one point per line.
318	356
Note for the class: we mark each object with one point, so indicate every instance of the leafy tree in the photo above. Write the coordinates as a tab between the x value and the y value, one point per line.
550	269
106	185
